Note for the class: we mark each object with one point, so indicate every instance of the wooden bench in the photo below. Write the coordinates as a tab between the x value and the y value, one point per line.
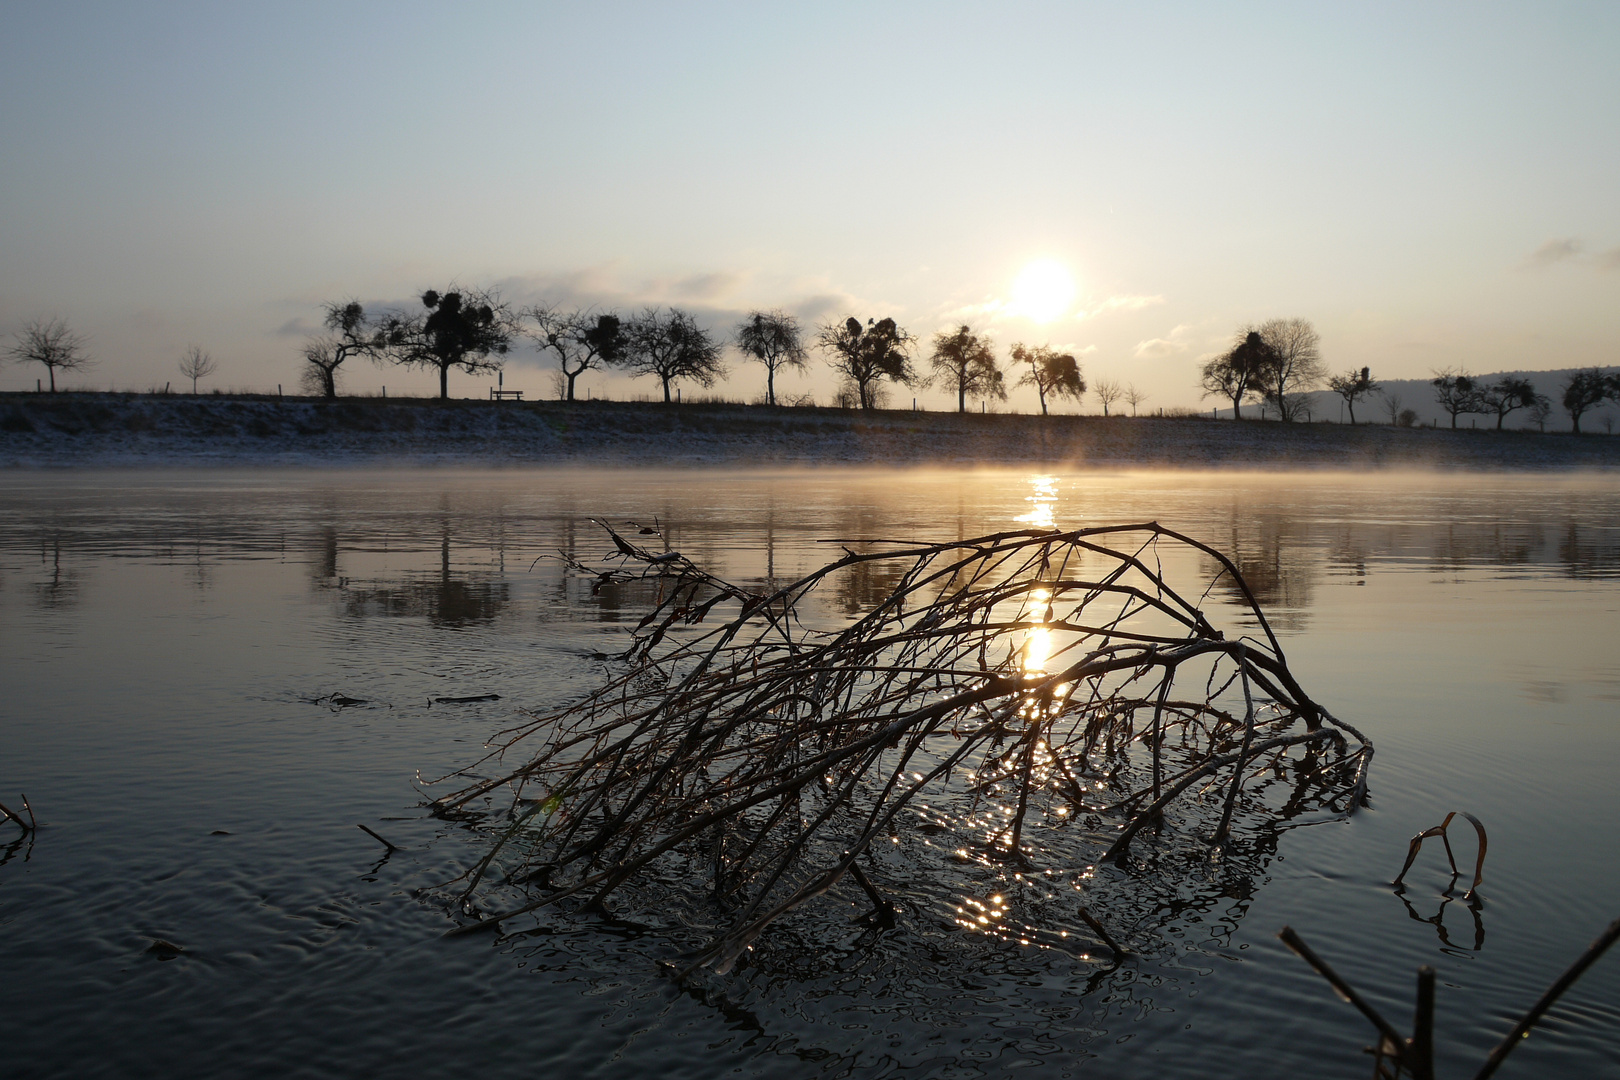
502	395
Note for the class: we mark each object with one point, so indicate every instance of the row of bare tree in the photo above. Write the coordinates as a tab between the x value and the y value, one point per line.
56	346
1459	392
1280	364
472	331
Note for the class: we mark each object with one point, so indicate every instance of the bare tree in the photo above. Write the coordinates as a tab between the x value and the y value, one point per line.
50	342
671	347
582	341
351	333
773	339
1585	390
1353	386
461	328
1541	412
1051	373
1505	395
1108	391
964	360
1392	403
1134	397
196	364
1295	367
868	355
1239	372
1457	392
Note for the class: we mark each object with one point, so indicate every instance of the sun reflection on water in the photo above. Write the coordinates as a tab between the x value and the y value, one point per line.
1043	501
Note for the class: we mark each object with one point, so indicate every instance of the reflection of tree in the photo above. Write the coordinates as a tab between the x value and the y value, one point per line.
445	602
1276	563
1493	545
864	586
61	588
1588	551
325	565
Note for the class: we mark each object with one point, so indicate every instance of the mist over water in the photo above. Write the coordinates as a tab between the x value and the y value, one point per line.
167	638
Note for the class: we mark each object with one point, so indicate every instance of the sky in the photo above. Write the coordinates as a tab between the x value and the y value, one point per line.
1430	185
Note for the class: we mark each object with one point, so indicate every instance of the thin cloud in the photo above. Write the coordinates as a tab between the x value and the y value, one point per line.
297	326
1119	303
1159	348
1554	252
709	287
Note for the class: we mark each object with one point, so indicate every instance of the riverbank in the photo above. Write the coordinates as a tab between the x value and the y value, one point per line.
112	430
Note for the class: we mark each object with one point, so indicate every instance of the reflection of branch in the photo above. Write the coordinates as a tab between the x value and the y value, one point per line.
1438	921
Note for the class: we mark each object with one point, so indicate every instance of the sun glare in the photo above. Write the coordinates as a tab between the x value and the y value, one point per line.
1044	290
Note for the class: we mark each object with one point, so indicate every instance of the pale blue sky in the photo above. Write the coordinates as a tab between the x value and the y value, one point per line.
208	173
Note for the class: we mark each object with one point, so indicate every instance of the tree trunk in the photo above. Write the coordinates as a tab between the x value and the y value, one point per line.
1042	393
770	385
52	370
572	375
1237	407
961	397
666	391
329	383
1352	412
1575	419
444	382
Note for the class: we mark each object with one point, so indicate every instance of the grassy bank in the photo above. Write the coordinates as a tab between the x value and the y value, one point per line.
44	430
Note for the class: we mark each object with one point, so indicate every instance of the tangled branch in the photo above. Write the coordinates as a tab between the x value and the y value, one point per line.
1021	698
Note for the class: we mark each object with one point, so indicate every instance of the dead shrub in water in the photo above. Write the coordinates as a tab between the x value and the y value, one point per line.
1031	701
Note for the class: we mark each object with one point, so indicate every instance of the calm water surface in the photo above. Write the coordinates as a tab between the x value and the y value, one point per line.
164	638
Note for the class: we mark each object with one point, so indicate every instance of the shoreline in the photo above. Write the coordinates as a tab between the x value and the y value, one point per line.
116	430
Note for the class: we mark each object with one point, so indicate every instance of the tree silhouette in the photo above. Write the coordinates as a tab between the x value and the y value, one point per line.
1051	373
1353	386
772	338
1541	412
868	355
351	333
1585	390
1505	395
1294	367
1239	372
52	343
462	329
671	347
965	361
1457	392
1392	403
1108	391
1134	397
196	364
582	341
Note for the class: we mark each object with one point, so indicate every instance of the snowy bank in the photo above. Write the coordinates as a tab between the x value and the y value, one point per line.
101	430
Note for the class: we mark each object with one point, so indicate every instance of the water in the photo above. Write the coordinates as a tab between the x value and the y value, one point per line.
165	638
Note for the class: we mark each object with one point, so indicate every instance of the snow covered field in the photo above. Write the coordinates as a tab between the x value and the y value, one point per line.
101	430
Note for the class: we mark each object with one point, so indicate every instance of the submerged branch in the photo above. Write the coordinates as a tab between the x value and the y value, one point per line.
753	745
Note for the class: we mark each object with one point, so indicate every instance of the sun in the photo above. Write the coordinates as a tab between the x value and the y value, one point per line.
1043	290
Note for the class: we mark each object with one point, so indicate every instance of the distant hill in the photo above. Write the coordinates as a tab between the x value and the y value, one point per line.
1418	395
